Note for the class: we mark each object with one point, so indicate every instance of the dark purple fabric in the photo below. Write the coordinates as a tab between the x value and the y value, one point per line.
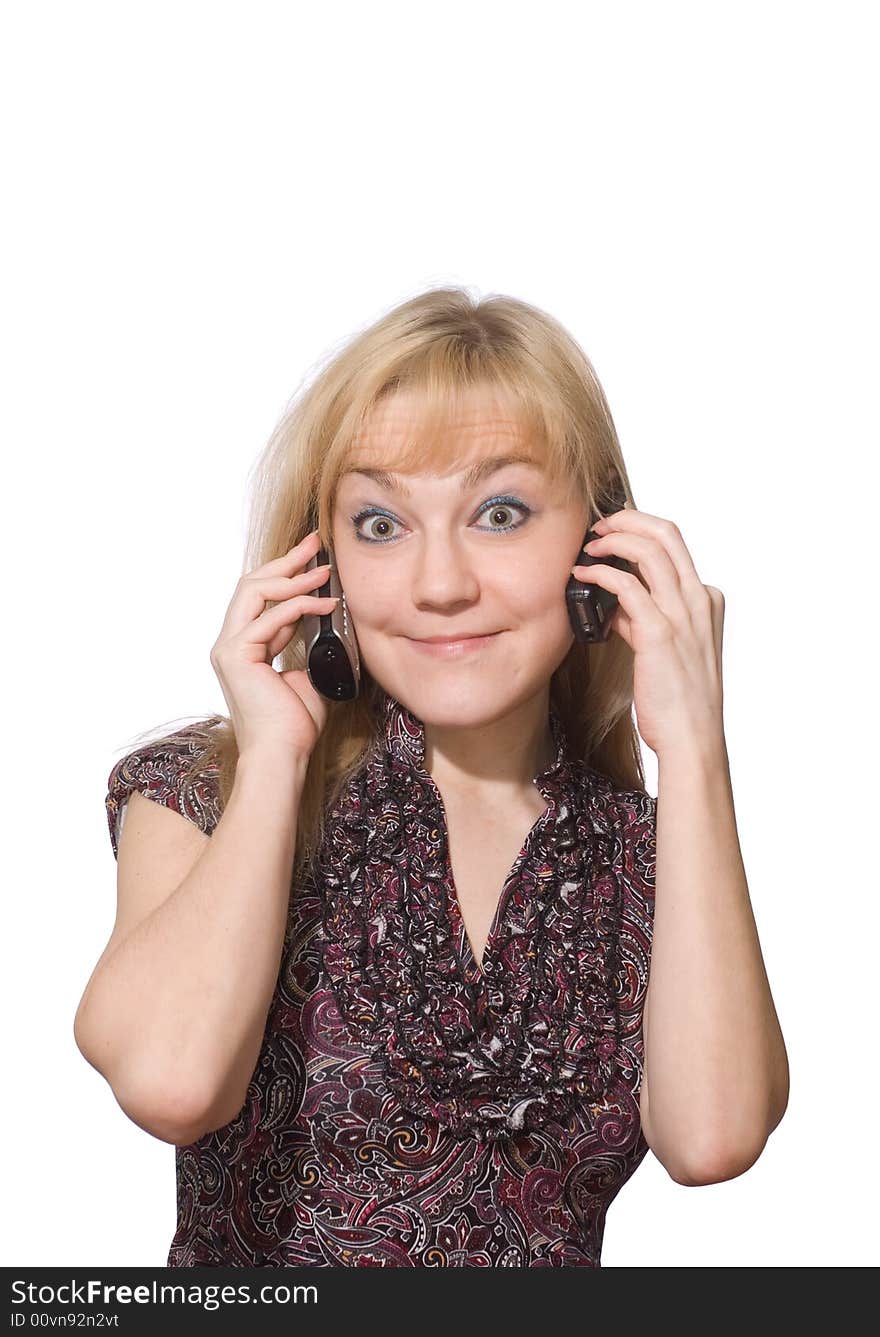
409	1108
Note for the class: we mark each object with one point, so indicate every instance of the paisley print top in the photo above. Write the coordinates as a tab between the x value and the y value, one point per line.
410	1108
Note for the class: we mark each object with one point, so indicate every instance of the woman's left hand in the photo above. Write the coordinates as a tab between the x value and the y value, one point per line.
671	621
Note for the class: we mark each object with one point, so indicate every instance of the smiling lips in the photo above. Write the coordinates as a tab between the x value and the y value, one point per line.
464	636
451	649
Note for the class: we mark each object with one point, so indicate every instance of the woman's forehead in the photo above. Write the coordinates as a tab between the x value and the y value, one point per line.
459	439
400	419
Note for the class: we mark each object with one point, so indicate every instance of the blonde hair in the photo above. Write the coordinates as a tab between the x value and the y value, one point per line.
441	344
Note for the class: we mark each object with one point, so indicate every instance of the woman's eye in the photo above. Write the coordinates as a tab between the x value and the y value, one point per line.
495	508
379	525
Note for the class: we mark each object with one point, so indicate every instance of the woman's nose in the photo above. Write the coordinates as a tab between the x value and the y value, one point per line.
444	570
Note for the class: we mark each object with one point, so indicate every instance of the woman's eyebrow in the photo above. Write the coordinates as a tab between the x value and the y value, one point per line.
483	469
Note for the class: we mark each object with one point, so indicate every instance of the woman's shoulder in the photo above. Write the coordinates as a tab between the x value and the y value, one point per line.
610	803
173	769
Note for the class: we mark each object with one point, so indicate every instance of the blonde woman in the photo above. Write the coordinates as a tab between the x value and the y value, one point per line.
418	978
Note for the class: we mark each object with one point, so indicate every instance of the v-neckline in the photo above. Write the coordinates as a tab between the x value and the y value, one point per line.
404	741
474	972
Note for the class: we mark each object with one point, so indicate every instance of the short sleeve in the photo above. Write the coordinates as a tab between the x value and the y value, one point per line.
637	812
159	771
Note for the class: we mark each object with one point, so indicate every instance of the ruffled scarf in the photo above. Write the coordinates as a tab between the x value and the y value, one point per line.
484	1052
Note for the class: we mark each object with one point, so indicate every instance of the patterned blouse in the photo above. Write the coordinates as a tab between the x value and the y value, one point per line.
410	1108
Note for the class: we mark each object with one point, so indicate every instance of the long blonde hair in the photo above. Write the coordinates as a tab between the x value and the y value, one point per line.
440	343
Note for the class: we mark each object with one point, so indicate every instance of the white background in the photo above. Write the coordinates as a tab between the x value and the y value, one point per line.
204	199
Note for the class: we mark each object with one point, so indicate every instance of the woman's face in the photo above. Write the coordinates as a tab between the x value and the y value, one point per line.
453	557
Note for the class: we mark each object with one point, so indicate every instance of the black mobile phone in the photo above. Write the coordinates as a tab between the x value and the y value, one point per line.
591	607
333	660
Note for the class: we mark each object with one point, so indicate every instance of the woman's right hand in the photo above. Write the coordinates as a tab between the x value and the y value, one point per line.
268	709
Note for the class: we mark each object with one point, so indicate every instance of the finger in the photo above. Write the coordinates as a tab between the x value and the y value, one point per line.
637	603
300	553
269	623
664	532
654	570
255	591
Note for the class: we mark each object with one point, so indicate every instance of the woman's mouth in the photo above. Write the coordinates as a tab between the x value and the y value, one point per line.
454	649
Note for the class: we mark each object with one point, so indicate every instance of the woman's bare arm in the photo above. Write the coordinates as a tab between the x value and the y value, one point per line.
174	1013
